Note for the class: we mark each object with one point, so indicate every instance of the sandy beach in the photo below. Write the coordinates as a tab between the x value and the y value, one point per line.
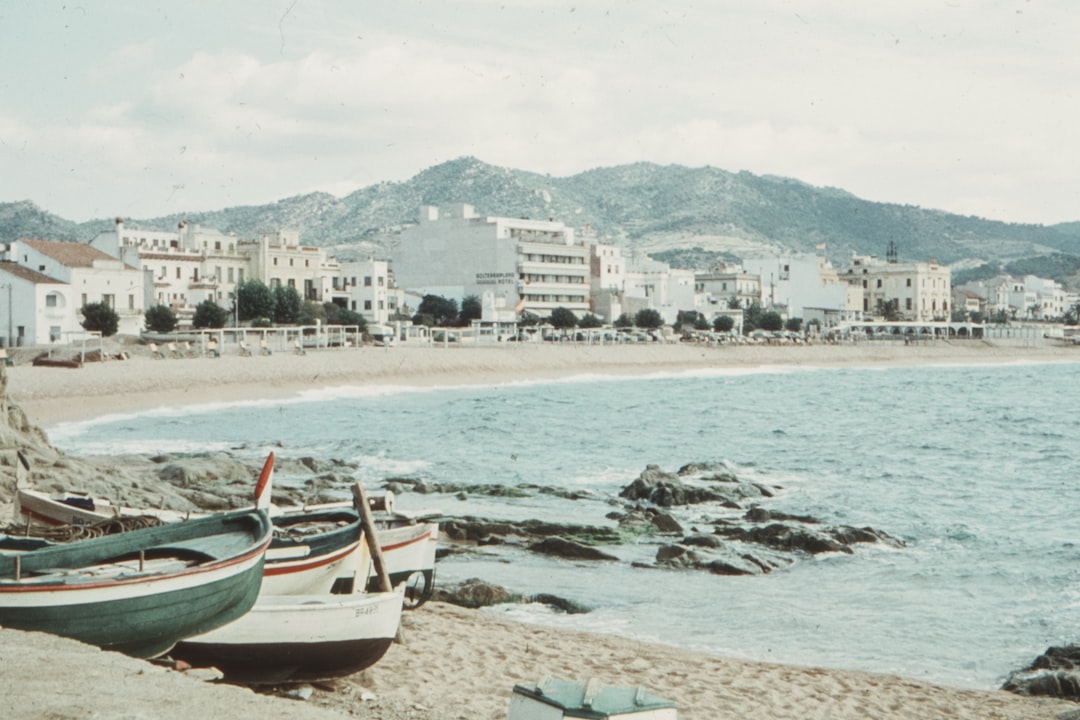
457	663
52	395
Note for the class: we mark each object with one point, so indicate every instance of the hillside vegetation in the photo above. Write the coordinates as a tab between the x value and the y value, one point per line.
643	207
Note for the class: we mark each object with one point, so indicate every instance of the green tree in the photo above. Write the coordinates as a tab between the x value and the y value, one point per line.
685	318
771	321
443	311
529	319
160	319
723	323
588	320
563	319
337	315
700	323
793	325
624	321
287	305
254	299
99	317
889	310
208	314
648	318
471	309
733	303
751	318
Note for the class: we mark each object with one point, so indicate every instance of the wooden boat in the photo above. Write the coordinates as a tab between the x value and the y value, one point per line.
295	565
307	638
299	638
305	556
141	591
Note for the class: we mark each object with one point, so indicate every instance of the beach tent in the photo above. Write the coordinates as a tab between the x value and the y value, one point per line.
553	699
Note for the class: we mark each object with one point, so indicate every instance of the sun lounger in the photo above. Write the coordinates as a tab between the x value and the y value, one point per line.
264	348
174	350
244	349
211	349
298	348
155	352
4	357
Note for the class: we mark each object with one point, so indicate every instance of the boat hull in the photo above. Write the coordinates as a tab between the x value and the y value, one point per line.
142	591
299	639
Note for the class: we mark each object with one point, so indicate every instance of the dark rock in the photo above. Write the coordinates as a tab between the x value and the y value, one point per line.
706	541
561	547
1045	683
567	606
786	537
759	514
474	593
664	522
850	536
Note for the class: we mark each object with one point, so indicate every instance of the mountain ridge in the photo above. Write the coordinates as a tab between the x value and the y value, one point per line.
643	207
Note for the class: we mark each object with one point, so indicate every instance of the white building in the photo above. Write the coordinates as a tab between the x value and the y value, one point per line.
93	276
799	282
367	287
522	265
35	309
653	284
921	290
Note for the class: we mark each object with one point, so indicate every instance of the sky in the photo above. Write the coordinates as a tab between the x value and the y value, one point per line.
142	108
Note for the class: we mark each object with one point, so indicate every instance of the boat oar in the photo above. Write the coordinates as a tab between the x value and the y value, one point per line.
368	523
360	500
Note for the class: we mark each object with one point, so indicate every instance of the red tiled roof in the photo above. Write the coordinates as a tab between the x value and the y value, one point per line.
71	254
26	273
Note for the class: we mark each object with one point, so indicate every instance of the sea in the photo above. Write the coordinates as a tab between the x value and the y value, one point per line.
973	467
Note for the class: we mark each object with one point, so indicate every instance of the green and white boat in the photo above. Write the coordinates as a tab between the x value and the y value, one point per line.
137	592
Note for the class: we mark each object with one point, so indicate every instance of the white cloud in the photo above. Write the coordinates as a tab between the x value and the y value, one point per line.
957	105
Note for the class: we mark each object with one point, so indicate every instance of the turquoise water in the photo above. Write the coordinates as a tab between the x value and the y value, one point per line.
974	467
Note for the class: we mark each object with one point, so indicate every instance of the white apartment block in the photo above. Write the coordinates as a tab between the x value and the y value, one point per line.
654	284
798	282
185	266
86	275
367	287
193	264
1032	298
718	289
922	290
521	265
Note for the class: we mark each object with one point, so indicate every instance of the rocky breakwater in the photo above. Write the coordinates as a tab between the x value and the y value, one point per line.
752	540
701	517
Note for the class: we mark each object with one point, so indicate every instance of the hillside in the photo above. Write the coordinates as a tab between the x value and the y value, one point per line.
643	206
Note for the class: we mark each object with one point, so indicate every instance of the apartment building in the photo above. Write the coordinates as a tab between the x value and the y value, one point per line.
521	265
35	309
367	287
921	290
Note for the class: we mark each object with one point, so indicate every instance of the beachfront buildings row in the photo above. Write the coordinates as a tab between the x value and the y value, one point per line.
44	284
513	265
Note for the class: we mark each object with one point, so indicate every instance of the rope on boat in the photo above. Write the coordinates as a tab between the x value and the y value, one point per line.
74	533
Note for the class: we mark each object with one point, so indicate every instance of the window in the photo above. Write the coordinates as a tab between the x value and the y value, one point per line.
83	303
909	282
231	274
275	261
290	262
50	300
164	271
879	282
177	272
109	300
54	333
908	304
131	302
381	279
367	281
367	304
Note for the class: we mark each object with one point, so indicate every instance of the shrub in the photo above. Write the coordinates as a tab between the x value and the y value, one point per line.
160	319
99	317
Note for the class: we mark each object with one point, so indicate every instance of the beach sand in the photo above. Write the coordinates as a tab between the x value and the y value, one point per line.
457	663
